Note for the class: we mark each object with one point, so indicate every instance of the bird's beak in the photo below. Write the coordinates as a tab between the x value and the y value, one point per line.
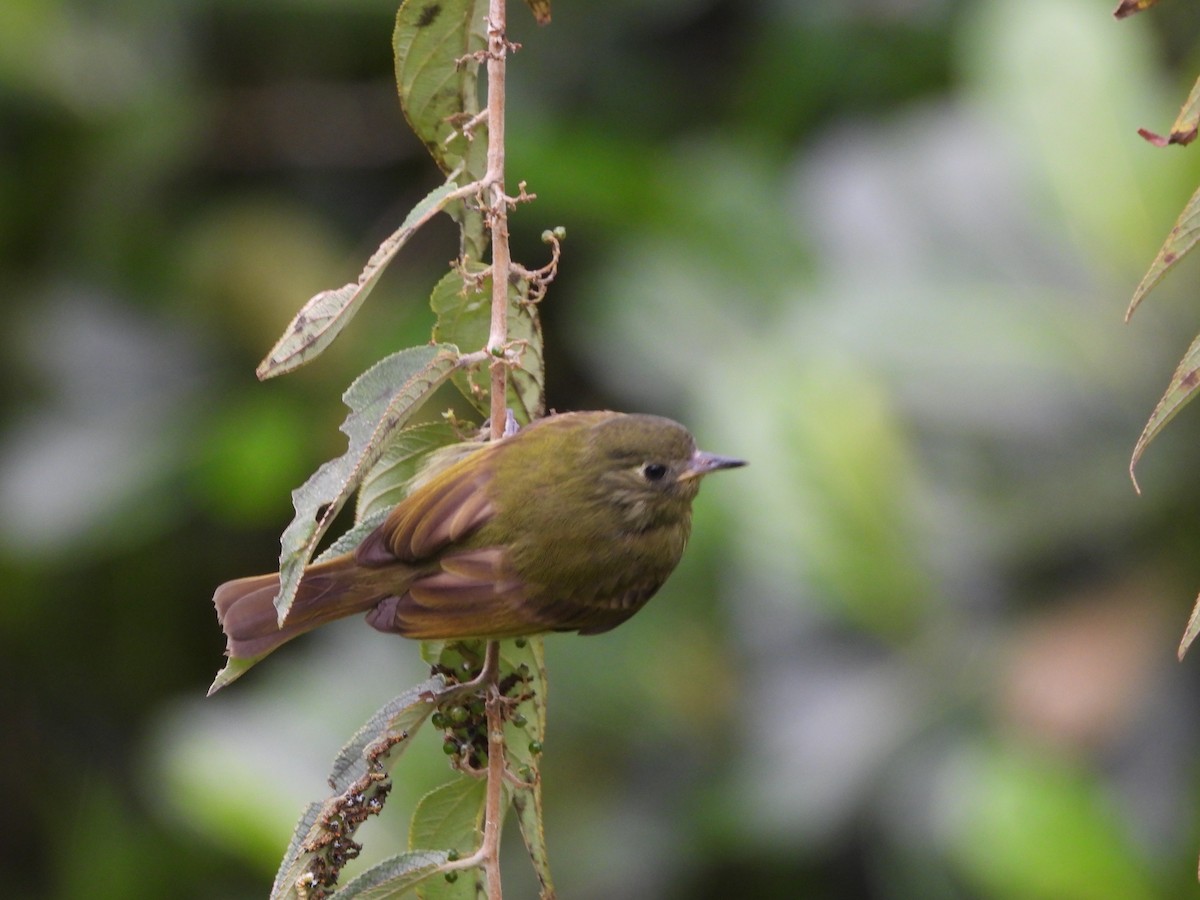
702	463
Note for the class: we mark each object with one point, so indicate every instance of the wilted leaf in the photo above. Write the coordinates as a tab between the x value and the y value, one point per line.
450	817
381	400
1180	390
1181	240
324	316
1193	628
1129	7
289	871
541	10
437	75
464	319
1183	132
356	779
394	877
403	714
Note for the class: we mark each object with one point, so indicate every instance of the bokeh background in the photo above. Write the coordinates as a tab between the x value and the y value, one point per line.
922	647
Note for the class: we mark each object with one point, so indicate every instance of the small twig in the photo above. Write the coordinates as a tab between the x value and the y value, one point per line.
539	279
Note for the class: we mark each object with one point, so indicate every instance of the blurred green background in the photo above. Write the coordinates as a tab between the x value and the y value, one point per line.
922	647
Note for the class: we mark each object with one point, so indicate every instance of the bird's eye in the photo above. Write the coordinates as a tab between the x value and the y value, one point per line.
654	471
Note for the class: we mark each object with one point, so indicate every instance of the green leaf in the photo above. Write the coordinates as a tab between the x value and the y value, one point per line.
387	483
450	817
464	319
359	784
381	400
527	662
415	455
354	536
1180	240
1179	392
323	317
393	877
234	669
527	800
437	75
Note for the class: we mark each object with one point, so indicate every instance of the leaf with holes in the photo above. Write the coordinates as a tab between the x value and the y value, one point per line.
355	778
437	45
324	316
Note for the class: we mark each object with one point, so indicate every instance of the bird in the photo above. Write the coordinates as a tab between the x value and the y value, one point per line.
571	524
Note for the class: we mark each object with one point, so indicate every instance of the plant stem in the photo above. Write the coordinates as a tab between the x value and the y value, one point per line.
497	53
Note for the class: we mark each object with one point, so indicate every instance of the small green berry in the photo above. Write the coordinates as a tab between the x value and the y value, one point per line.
521	643
451	855
451	877
458	714
519	720
449	747
535	747
438	720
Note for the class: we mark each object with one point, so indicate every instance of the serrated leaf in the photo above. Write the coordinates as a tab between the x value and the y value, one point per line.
1181	239
437	76
393	877
450	817
354	536
387	483
401	715
323	317
375	747
381	400
527	800
289	869
435	43
1179	392
464	319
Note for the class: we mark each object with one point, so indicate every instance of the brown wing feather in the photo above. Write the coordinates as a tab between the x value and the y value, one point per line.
472	593
437	514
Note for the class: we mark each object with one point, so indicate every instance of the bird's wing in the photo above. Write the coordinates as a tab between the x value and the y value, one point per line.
440	512
471	593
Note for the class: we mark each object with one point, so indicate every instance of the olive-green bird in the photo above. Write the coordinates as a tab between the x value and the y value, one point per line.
571	524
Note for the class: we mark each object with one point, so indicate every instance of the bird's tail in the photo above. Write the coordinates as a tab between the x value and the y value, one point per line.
329	591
